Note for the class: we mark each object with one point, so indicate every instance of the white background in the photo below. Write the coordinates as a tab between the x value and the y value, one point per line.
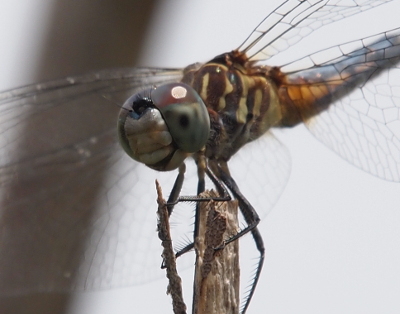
332	241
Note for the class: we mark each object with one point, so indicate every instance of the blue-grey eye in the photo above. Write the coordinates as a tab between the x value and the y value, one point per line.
163	125
184	113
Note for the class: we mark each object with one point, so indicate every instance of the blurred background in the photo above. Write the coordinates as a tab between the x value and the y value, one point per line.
332	241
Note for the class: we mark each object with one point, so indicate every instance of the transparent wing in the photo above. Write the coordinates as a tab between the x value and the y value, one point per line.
294	20
363	79
64	179
261	170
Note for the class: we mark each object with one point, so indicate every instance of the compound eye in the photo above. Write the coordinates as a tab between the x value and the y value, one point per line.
184	113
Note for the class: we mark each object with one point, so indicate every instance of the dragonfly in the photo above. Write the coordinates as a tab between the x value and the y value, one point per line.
42	173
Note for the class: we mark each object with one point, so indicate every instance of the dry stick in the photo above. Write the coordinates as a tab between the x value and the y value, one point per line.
175	282
217	274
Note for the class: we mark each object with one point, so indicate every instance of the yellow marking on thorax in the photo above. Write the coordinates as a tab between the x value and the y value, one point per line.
203	92
228	89
257	103
242	111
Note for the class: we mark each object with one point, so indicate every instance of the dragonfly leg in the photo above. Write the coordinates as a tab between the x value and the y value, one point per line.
174	197
252	220
202	169
260	247
249	213
201	166
222	179
176	189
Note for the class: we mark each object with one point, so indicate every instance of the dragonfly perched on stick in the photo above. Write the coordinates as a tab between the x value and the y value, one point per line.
317	82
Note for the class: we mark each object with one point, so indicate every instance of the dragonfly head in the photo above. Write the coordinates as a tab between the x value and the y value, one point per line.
163	125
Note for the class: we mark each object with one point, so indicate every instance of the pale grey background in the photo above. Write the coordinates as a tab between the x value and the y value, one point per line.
332	241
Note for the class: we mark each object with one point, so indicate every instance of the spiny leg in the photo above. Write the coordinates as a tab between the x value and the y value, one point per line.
260	247
202	169
249	213
252	220
174	197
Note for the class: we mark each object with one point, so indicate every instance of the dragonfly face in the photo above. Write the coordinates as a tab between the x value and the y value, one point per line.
295	87
162	129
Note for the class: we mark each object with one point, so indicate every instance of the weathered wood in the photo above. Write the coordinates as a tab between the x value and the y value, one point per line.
217	273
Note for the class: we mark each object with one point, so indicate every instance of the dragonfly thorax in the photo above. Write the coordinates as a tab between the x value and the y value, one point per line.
242	103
